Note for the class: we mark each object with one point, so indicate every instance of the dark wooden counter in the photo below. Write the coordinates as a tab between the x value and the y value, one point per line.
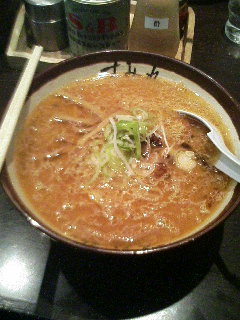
38	279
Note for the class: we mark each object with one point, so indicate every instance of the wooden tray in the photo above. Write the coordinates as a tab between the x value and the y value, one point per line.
18	51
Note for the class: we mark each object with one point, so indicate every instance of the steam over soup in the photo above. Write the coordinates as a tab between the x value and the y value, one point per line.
109	162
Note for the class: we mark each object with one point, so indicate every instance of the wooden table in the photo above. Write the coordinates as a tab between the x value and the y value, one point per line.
39	281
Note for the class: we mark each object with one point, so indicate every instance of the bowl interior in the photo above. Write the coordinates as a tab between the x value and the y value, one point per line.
114	62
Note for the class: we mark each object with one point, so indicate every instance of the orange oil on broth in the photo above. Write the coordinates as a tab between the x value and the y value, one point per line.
53	167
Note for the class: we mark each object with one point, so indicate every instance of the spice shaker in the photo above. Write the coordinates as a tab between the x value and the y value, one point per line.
96	25
155	27
46	24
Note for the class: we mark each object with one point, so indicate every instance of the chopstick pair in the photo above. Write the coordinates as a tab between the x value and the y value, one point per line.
16	103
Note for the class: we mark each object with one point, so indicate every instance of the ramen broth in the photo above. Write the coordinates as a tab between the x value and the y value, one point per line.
87	174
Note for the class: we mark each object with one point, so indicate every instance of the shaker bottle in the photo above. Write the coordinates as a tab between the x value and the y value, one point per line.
45	24
155	27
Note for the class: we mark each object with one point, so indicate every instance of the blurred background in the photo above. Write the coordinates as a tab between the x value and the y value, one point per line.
8	11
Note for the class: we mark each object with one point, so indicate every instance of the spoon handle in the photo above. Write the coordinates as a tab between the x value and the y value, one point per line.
229	167
219	143
17	101
227	162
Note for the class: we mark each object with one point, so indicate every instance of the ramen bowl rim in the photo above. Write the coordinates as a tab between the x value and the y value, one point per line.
193	73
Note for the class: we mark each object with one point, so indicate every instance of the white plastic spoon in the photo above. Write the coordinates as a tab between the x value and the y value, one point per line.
17	101
227	162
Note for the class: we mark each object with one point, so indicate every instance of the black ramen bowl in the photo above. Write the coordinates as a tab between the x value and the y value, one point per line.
113	62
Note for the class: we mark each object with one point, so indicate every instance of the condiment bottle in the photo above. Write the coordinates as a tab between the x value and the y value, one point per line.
45	24
155	27
96	25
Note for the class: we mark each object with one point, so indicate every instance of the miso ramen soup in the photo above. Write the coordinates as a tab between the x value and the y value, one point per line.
109	162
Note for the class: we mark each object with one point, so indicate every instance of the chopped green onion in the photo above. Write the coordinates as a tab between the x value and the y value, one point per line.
123	137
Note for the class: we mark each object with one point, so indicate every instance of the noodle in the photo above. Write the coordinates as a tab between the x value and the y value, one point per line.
84	175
